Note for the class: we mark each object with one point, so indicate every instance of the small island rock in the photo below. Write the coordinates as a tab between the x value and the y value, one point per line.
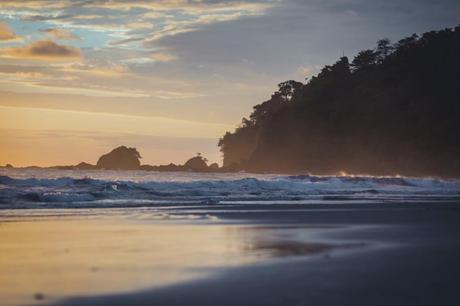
121	158
197	163
214	166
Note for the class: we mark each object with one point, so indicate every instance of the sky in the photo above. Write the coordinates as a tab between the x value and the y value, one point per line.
169	77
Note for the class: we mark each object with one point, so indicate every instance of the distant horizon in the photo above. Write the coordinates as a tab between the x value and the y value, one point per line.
94	160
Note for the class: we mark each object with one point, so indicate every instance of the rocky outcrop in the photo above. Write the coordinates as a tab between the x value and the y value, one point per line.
85	166
121	158
124	158
197	163
214	167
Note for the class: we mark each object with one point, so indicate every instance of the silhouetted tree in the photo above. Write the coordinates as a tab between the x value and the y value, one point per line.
384	48
393	110
364	59
287	89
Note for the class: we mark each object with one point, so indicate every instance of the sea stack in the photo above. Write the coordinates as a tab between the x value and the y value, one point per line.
197	163
121	158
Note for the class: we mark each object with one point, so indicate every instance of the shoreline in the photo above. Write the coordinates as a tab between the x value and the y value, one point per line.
93	252
351	252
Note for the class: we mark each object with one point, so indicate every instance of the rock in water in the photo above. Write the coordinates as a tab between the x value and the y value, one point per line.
197	163
214	166
85	166
121	158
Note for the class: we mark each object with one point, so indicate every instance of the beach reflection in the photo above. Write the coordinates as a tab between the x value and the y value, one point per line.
44	260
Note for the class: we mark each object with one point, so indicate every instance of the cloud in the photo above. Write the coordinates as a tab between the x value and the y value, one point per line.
6	34
305	70
168	95
32	4
125	41
150	20
233	52
192	6
104	71
163	57
45	17
43	50
61	33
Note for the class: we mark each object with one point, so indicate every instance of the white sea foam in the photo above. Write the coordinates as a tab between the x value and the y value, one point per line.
57	188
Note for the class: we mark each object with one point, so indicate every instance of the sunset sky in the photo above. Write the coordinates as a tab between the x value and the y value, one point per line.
169	77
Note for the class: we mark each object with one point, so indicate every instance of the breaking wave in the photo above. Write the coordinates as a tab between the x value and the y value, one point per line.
18	191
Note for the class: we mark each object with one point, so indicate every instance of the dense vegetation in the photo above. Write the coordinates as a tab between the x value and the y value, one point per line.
392	110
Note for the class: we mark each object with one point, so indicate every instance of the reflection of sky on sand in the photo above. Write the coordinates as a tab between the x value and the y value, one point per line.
70	257
60	257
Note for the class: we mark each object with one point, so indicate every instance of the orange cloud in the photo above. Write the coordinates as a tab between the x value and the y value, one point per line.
6	33
43	50
163	57
61	33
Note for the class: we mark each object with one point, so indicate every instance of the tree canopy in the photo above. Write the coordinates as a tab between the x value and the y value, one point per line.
393	110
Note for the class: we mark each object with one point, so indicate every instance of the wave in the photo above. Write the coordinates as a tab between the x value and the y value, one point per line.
91	192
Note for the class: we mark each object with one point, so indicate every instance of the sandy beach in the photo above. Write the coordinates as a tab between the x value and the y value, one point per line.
348	254
229	153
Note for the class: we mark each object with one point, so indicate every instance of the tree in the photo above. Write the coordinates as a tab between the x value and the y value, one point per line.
384	48
407	42
287	89
396	111
363	60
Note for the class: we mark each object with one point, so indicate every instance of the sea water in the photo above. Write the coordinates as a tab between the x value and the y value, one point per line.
50	188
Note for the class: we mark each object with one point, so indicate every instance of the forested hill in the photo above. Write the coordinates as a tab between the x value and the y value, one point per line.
394	109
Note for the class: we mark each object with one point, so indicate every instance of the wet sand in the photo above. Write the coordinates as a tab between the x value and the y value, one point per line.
50	255
376	254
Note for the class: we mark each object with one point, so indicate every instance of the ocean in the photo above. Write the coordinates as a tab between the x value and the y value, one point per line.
50	188
173	238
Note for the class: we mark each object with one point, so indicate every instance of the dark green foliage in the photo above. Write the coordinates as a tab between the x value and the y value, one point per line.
393	110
